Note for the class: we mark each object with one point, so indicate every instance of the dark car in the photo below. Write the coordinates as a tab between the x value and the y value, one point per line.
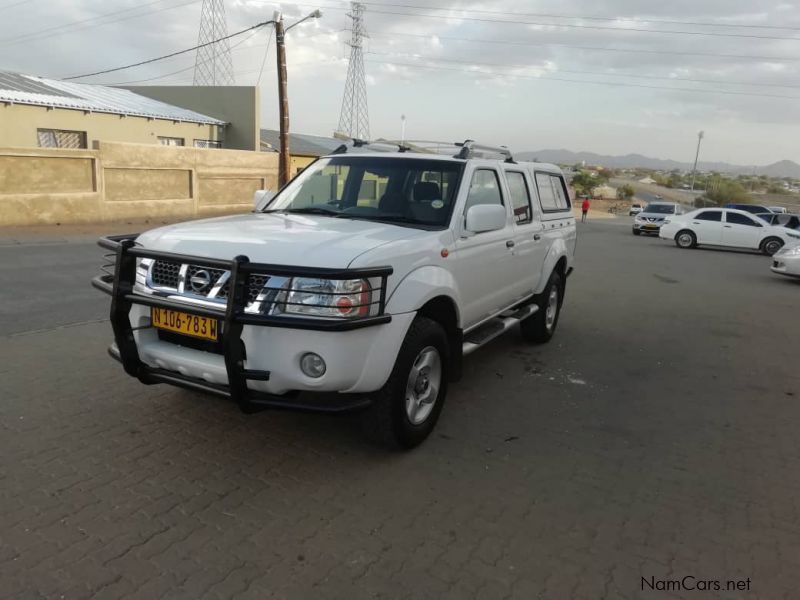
751	208
781	219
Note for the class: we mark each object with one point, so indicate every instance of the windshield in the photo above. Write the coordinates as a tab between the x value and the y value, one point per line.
660	209
410	191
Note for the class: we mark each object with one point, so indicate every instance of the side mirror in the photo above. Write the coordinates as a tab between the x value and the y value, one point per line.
486	217
261	198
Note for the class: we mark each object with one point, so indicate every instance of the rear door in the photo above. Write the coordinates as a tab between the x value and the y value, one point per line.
740	230
482	263
707	226
529	248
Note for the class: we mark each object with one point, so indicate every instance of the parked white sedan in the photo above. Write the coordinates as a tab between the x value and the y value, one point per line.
786	261
727	227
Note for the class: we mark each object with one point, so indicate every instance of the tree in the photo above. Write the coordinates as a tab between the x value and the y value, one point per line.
624	192
584	183
721	191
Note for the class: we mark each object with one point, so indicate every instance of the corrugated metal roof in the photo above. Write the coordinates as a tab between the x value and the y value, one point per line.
300	143
40	91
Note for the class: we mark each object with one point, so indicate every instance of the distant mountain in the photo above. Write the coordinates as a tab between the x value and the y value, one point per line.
783	168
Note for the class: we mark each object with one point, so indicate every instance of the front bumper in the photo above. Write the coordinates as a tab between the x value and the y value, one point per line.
647	227
259	361
782	268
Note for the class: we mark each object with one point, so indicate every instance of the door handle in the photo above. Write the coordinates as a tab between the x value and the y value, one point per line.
727	226
510	244
537	237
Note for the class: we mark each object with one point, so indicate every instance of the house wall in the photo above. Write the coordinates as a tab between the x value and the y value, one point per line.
116	181
239	106
19	123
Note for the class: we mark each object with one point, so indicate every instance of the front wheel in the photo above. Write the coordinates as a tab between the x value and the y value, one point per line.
686	239
541	326
636	232
405	410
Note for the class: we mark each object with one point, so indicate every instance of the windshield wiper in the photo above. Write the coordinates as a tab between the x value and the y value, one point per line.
312	210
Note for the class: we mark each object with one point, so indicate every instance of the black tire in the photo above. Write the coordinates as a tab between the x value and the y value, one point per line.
771	245
685	239
387	420
636	232
541	326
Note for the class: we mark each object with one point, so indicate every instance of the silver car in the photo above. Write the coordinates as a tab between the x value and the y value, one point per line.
652	217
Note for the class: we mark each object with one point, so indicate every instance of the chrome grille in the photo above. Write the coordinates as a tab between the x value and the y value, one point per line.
164	273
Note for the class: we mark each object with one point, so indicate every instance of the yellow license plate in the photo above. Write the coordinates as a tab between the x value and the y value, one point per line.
181	322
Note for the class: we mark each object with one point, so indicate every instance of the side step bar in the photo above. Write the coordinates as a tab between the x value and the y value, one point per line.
496	327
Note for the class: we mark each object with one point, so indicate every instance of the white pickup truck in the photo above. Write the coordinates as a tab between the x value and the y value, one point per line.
370	275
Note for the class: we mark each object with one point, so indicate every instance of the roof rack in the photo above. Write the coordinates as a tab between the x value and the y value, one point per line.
471	149
466	149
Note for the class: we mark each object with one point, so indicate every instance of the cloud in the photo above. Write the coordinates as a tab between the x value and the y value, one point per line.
535	78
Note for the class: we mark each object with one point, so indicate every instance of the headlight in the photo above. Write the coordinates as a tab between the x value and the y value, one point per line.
639	219
789	251
328	298
665	221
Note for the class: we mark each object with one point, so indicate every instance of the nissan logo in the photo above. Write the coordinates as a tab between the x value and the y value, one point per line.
200	281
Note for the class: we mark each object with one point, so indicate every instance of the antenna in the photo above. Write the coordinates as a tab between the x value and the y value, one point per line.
213	65
354	118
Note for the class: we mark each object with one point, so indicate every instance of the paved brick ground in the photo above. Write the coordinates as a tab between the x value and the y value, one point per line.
656	437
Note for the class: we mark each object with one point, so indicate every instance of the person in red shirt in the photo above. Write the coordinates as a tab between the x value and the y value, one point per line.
584	209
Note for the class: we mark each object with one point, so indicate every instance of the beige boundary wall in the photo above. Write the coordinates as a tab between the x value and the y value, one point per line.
116	181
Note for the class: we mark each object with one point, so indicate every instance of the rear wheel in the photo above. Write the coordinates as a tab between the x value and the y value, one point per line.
405	410
685	239
541	326
771	245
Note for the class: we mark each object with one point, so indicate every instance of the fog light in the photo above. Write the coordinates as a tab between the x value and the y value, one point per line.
312	365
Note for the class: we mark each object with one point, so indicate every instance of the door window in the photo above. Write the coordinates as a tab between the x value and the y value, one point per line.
484	189
552	193
520	196
738	219
710	215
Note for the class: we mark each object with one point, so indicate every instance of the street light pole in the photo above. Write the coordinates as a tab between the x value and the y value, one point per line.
284	159
402	128
696	156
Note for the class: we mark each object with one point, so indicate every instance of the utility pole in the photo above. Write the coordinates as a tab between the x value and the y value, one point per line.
696	156
284	160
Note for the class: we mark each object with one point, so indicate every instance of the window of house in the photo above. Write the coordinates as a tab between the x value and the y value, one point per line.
170	141
738	219
520	196
60	138
710	215
206	144
484	189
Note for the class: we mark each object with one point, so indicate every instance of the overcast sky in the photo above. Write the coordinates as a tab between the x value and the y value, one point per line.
574	74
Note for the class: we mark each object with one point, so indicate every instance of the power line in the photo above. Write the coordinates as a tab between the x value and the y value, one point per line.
50	31
593	48
585	81
189	68
152	60
574	26
13	4
598	73
264	59
234	48
587	18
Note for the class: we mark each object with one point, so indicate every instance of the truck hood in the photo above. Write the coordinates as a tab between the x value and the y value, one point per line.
285	239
